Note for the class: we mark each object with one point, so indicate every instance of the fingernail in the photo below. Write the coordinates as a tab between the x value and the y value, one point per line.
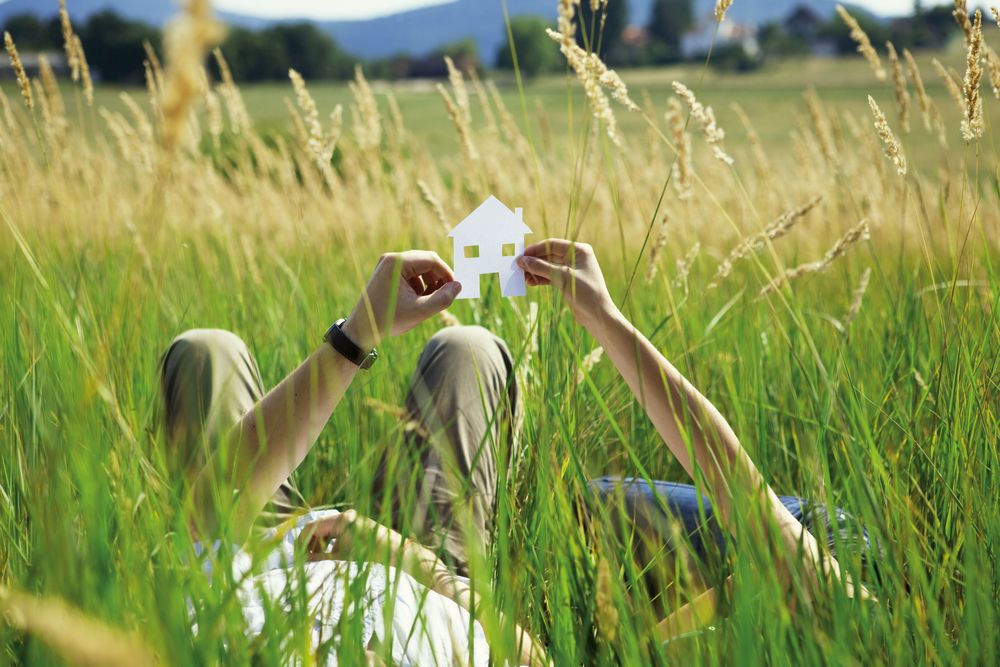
456	287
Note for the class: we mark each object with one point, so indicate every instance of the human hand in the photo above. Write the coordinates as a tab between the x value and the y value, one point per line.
573	268
405	289
344	530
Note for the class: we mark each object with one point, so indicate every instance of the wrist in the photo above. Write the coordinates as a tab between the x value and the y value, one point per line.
601	319
357	327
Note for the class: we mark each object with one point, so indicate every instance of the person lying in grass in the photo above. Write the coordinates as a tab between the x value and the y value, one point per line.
463	403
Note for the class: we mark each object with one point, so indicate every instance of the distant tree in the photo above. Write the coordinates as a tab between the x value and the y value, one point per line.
310	50
114	46
267	55
606	43
536	52
838	31
28	31
464	49
253	57
669	21
776	42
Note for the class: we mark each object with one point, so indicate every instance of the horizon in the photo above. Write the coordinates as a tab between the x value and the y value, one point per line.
322	10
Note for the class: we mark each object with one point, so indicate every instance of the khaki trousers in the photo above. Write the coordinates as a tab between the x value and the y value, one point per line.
440	485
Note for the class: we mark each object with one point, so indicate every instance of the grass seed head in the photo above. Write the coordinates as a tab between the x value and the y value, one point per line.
923	101
860	232
865	47
721	7
972	124
22	77
949	82
88	83
72	57
859	295
706	118
961	14
890	144
682	169
899	82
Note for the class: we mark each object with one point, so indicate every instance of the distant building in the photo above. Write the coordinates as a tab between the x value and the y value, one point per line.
56	59
635	37
699	40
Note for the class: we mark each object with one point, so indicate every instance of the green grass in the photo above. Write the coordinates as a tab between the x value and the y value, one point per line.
895	420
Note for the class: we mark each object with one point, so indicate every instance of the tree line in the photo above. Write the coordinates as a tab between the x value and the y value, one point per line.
115	45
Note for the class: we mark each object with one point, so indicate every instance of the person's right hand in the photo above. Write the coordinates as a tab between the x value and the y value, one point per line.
573	268
405	289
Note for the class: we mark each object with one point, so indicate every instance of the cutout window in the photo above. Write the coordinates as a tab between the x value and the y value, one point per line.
508	250
471	251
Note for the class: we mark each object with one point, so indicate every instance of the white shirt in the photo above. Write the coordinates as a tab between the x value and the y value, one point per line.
426	627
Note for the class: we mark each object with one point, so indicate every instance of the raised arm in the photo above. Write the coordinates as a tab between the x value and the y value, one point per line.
693	429
274	437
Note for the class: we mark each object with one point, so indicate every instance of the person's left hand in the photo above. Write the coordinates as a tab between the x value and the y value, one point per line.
345	530
405	289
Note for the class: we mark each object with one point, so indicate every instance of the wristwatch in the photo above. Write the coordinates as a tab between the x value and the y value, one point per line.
339	341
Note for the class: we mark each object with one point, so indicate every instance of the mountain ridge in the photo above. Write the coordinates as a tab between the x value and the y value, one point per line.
416	31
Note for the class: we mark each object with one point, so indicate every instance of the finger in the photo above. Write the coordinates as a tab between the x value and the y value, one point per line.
419	262
556	248
541	268
418	285
439	299
535	281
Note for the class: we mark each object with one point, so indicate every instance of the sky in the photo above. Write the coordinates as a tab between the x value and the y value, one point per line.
353	9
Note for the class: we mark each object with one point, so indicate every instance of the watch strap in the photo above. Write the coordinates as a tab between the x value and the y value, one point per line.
339	341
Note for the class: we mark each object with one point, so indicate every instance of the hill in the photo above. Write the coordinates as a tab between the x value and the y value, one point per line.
416	31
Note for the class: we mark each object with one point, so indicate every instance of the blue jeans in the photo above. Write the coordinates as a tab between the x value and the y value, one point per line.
654	507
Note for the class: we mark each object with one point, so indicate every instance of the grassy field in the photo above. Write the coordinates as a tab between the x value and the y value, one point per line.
883	401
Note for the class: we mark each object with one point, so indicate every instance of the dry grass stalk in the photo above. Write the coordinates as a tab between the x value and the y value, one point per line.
761	162
890	144
317	144
595	77
682	169
865	47
587	364
659	243
88	83
70	634
7	113
923	101
484	102
19	73
213	111
824	131
721	7
458	86
899	82
972	125
188	41
239	117
706	118
139	117
961	14
367	120
949	82
508	125
72	59
859	233
448	319
684	265
431	200
458	119
996	14
993	68
51	87
859	295
605	612
780	227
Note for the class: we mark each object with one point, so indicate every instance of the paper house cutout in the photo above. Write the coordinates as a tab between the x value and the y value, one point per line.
486	242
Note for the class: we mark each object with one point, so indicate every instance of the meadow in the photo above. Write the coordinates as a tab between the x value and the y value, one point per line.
868	380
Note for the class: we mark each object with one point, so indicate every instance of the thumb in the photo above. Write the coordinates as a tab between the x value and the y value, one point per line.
544	269
440	298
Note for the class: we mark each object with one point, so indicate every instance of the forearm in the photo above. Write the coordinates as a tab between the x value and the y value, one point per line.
696	432
273	438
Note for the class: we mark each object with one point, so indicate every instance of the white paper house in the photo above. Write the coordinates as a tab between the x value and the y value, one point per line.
487	242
